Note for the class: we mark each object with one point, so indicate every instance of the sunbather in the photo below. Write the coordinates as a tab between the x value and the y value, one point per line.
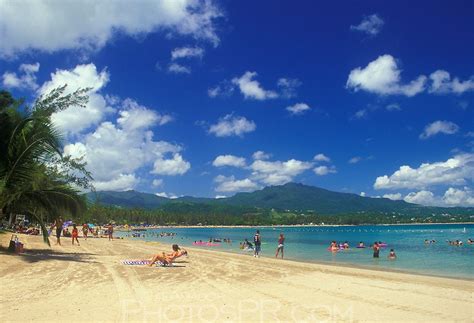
167	259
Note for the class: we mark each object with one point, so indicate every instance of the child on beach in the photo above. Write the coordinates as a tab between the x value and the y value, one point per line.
75	234
85	230
281	242
392	255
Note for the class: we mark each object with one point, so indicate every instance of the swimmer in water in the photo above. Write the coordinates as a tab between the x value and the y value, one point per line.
361	244
392	255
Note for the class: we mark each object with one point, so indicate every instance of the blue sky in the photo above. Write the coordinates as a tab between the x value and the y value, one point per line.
209	98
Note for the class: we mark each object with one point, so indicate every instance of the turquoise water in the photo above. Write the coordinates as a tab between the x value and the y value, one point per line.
310	244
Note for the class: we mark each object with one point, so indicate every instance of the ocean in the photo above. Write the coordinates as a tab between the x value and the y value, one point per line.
310	243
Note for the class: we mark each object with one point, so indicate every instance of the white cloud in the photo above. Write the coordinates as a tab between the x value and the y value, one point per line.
370	25
288	87
445	127
186	52
394	197
322	158
442	83
172	166
355	160
421	197
51	26
278	172
324	170
178	69
230	184
298	108
224	89
261	155
229	160
167	195
26	80
459	197
220	197
362	194
382	76
231	125
115	152
122	182
75	120
135	116
157	182
361	114
455	171
251	89
393	107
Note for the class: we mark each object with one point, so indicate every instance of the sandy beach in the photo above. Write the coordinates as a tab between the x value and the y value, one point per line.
89	283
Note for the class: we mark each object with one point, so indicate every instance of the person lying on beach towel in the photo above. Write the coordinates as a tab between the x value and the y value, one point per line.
167	259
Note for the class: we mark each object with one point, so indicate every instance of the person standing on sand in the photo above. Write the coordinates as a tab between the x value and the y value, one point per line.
257	241
85	230
110	231
281	242
75	234
376	248
58	223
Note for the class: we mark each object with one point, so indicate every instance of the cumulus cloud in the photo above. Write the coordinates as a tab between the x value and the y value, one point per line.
324	170
298	108
459	197
457	170
371	25
322	158
231	125
26	80
171	166
51	26
441	83
444	127
187	52
230	184
382	76
116	150
421	197
360	114
122	182
251	89
288	87
178	69
363	194
278	172
75	120
261	155
394	196
229	160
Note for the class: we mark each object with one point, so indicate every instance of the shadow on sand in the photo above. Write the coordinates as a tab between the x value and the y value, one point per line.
32	256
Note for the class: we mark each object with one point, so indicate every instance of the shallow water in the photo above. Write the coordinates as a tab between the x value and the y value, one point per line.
310	244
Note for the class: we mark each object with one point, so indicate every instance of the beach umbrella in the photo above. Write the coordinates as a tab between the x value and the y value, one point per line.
66	224
91	225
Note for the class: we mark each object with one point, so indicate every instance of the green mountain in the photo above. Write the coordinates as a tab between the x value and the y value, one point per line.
291	196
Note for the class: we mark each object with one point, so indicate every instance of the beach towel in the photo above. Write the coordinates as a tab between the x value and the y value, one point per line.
143	263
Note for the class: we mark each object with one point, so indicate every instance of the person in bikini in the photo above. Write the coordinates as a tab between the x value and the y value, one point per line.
281	243
167	259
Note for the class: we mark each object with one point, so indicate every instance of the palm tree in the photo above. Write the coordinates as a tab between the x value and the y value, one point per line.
30	149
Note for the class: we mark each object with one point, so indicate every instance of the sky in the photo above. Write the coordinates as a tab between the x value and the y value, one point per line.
210	98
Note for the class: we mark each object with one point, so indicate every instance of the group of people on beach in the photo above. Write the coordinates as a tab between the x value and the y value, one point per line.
256	247
61	229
